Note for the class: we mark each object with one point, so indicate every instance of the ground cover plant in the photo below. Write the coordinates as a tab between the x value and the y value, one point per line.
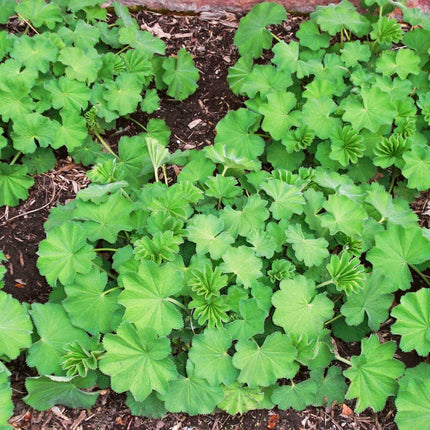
291	232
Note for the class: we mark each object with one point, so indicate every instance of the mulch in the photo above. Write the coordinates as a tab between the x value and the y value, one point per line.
209	37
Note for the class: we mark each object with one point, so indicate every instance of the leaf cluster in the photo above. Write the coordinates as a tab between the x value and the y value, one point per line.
67	79
292	232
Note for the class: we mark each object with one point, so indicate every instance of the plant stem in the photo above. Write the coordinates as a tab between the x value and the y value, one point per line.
136	122
122	50
28	23
175	302
104	249
323	284
393	179
420	274
343	360
106	146
15	158
103	270
110	290
333	319
276	37
224	171
163	168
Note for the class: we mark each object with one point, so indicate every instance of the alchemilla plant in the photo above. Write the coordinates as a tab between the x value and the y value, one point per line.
229	289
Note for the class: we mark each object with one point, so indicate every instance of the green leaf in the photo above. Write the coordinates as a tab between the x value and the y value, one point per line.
251	321
417	163
236	131
143	41
39	13
251	216
386	31
223	188
123	94
209	353
277	119
105	220
395	249
146	297
151	101
47	391
7	10
72	132
307	248
239	398
263	365
252	36
296	396
286	57
287	199
238	73
413	399
89	306
403	62
14	184
334	17
40	161
311	38
346	273
371	110
161	246
373	374
45	353
68	94
346	146
36	52
151	407
15	327
29	129
180	75
264	80
354	52
413	321
192	395
331	386
6	404
373	301
82	65
242	262
343	214
137	360
298	309
65	253
206	231
316	115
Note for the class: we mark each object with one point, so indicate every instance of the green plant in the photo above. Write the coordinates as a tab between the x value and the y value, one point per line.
289	234
68	83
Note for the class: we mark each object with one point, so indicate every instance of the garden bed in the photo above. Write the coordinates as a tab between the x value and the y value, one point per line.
209	38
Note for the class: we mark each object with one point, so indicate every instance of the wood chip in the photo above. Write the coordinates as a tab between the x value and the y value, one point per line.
194	123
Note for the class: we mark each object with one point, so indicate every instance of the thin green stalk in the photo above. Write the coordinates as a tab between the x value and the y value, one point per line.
420	274
15	158
106	146
163	168
104	271
224	171
343	360
126	195
393	179
333	319
105	249
110	290
323	284
136	122
175	302
276	37
122	50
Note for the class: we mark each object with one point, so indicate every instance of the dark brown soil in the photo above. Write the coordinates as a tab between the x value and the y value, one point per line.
209	38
